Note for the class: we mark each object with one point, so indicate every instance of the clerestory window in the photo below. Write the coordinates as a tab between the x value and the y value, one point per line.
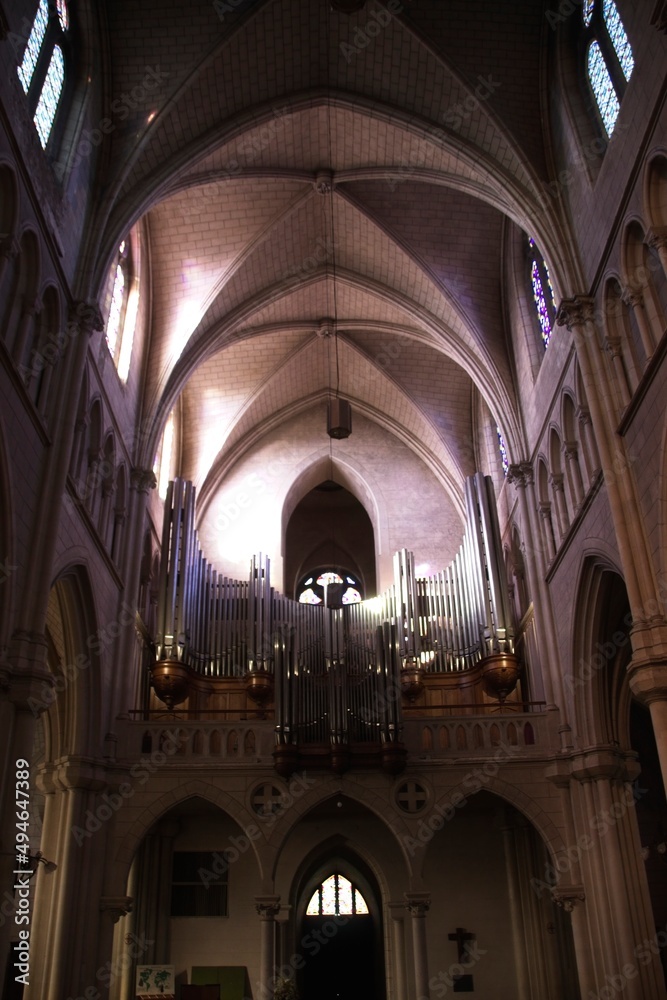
543	295
43	67
609	58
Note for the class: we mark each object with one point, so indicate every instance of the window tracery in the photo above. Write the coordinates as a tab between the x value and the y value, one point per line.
314	587
543	295
609	58
336	896
42	70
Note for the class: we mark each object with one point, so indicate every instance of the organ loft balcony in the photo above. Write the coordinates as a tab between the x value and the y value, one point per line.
239	675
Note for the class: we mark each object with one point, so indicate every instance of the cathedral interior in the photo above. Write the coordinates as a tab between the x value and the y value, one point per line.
333	499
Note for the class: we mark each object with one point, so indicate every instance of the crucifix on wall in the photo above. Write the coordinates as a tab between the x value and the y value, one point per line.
462	983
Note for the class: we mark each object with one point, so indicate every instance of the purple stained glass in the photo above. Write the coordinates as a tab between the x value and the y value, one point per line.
502	447
619	38
351	596
540	303
603	88
587	11
32	49
63	14
47	105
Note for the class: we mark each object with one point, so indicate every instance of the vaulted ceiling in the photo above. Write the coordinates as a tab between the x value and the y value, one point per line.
294	164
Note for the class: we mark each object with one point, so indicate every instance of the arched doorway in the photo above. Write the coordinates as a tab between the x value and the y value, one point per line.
339	930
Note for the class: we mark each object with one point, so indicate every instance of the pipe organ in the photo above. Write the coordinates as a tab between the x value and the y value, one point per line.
337	676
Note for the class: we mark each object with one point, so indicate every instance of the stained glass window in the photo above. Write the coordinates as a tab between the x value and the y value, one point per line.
116	308
43	64
503	451
50	96
543	295
309	597
336	896
603	88
313	588
619	39
63	14
34	45
609	59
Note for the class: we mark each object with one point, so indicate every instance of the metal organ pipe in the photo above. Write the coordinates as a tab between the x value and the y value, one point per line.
337	670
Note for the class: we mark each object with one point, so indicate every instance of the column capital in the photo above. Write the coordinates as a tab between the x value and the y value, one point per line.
556	480
81	773
116	906
268	907
86	316
656	237
576	311
9	248
648	681
418	903
520	475
397	911
568	896
632	295
612	346
604	763
142	480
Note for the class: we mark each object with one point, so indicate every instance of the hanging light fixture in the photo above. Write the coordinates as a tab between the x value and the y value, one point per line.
339	418
339	411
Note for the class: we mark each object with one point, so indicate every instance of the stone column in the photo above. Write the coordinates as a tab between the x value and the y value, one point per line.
397	914
418	904
9	251
614	350
571	453
514	893
618	903
578	315
84	319
588	446
26	326
522	477
568	896
648	683
634	298
656	238
112	909
150	917
142	481
267	907
26	680
562	516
